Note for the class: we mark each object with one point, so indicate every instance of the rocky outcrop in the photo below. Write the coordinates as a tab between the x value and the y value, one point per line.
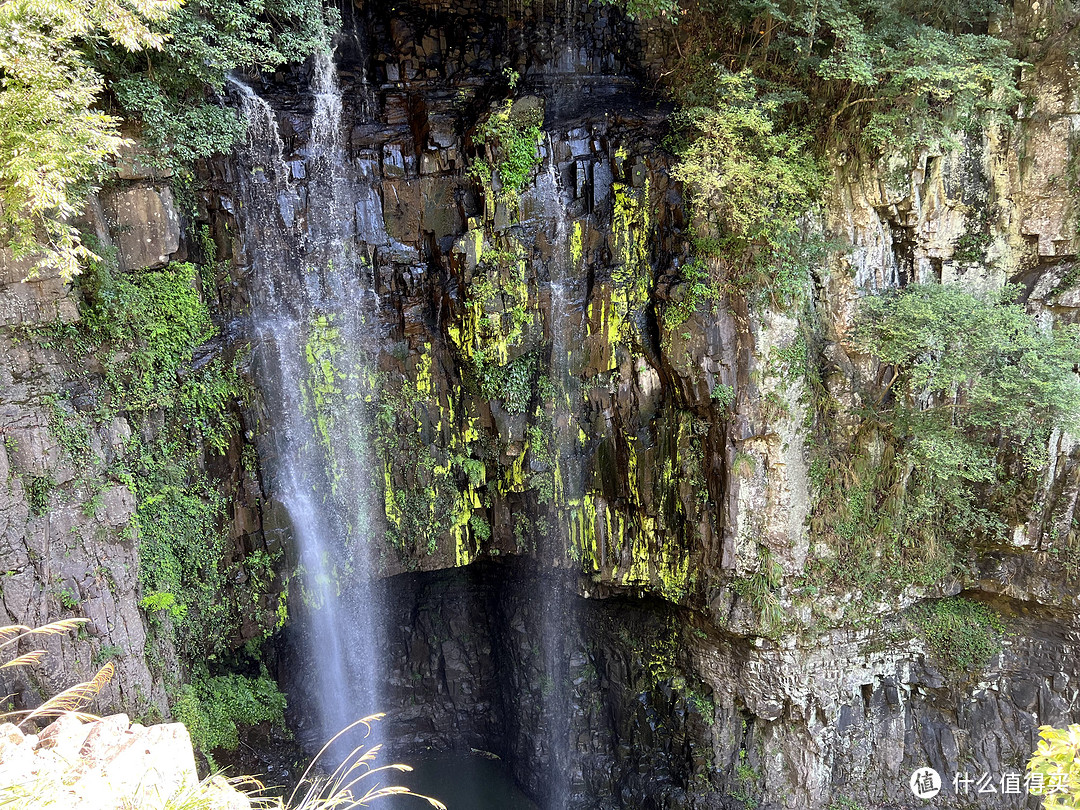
145	224
69	537
107	764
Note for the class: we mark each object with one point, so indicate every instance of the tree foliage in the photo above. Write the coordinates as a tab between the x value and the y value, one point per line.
896	73
159	63
751	175
957	362
175	94
956	419
967	384
1054	768
52	140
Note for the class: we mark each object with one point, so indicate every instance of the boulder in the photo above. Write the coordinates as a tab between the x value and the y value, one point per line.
144	223
107	764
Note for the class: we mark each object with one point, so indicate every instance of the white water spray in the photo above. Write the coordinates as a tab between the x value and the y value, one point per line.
557	613
311	325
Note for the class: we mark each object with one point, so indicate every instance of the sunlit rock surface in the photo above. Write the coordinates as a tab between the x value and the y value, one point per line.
106	764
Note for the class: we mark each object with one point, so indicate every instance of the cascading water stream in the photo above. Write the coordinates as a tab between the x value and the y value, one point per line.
558	620
310	319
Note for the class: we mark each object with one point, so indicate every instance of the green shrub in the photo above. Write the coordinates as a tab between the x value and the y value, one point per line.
512	383
513	141
212	708
38	490
749	176
962	635
704	706
698	291
480	527
759	589
723	395
156	601
1056	762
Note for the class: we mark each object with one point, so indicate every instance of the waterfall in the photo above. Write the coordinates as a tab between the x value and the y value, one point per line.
310	320
557	617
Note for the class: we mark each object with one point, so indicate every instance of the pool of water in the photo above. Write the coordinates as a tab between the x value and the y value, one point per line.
461	783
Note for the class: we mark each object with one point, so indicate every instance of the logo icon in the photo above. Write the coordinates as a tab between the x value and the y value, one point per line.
925	783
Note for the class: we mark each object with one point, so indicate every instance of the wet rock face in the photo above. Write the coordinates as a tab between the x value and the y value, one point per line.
532	383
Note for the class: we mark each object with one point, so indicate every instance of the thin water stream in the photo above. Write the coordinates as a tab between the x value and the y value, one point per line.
558	621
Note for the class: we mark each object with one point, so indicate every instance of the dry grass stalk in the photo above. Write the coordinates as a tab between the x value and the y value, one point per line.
339	790
72	699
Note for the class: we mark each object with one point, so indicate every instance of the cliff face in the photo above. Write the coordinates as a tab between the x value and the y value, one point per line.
68	543
550	452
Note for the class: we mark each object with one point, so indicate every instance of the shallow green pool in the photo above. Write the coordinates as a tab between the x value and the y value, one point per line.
461	783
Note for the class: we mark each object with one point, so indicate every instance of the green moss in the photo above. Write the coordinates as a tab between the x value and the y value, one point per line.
493	321
583	536
321	389
576	248
430	492
632	229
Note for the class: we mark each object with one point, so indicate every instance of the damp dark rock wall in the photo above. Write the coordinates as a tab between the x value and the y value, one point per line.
469	674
